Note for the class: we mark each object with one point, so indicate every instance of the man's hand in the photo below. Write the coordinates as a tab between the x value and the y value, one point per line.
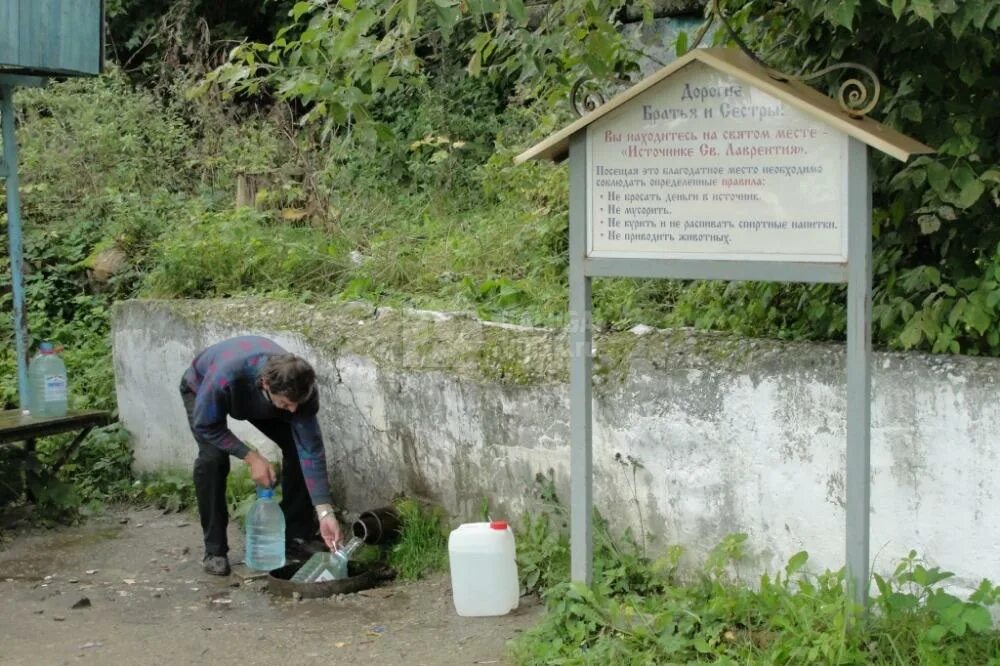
261	471
329	529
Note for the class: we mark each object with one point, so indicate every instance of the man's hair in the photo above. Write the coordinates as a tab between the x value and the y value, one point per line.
289	376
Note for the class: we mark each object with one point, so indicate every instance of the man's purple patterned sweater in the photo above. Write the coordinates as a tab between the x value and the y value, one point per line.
223	379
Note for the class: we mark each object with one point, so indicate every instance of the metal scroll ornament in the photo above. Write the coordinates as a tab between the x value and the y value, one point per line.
853	95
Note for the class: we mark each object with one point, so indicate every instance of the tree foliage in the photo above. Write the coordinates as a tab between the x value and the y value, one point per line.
152	39
937	282
937	261
341	60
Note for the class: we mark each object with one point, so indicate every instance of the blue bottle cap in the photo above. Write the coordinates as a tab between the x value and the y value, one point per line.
46	347
265	493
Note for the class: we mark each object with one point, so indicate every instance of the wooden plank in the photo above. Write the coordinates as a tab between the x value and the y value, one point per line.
71	29
16	427
812	102
42	37
22	81
36	41
720	269
80	42
8	33
738	65
556	146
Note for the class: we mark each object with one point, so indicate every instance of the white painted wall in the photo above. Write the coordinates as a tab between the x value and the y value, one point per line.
732	436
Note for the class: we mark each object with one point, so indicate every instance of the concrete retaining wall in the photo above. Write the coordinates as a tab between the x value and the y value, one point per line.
729	435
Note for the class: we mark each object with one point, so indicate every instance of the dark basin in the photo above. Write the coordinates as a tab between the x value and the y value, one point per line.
361	576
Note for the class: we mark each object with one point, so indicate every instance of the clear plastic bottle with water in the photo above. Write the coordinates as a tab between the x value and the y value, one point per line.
47	383
265	533
322	567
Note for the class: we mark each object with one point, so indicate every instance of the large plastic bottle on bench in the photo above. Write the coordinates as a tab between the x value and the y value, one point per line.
47	383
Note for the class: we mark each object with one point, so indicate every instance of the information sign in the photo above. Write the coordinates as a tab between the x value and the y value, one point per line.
703	166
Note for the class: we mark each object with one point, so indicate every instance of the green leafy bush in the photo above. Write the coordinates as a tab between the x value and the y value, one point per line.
642	612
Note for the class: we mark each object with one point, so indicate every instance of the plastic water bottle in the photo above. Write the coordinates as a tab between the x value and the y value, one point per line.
483	569
322	567
265	533
47	383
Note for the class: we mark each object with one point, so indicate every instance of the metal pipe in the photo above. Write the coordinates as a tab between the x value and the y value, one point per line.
14	239
378	527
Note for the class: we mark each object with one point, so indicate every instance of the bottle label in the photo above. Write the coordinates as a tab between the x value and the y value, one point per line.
54	388
324	576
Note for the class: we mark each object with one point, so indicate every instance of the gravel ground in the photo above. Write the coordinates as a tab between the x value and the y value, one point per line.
127	588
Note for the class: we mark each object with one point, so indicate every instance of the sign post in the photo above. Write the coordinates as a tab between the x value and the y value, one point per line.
580	372
38	39
714	168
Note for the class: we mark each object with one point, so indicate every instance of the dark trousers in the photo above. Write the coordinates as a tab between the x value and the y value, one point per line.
211	468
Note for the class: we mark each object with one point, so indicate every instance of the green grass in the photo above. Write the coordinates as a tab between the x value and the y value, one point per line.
423	545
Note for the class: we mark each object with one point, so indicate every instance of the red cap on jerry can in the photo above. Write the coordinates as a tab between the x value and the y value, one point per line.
498	524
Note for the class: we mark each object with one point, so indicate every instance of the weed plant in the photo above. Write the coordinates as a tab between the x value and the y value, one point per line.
241	493
169	491
642	611
174	492
423	545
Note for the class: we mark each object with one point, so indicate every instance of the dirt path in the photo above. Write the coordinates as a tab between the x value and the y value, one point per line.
127	588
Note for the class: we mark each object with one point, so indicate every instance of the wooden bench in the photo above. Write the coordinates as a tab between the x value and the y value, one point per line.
18	427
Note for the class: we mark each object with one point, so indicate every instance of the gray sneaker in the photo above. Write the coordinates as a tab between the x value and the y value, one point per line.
217	565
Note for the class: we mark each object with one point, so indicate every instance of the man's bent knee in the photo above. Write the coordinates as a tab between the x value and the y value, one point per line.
212	460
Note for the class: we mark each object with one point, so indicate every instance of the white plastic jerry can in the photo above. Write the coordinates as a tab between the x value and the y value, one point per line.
483	569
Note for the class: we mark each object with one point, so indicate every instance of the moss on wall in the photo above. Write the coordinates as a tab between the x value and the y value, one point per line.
460	344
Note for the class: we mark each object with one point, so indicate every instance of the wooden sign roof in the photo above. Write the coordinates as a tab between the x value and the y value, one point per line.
741	67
